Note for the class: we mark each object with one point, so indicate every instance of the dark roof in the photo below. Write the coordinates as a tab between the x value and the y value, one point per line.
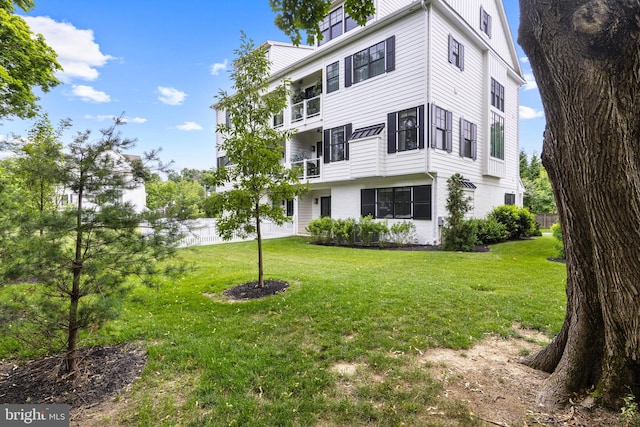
367	131
468	184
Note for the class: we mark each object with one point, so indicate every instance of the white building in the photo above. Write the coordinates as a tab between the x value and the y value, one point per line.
134	192
385	113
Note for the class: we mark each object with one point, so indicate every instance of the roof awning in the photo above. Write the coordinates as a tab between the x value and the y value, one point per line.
468	184
367	131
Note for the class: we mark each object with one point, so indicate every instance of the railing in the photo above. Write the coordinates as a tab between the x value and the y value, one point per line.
306	109
203	232
310	167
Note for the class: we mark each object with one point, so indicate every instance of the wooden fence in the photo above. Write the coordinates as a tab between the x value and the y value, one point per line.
546	220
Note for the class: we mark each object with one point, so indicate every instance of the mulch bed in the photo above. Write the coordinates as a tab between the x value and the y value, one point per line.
248	291
104	371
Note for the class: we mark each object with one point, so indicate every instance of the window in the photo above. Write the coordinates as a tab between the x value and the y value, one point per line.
278	119
441	128
289	207
350	23
468	139
370	62
331	26
410	202
336	145
485	22
497	136
325	206
223	161
333	77
509	199
456	53
406	130
497	95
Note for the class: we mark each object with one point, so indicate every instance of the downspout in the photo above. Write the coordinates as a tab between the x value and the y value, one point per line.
434	194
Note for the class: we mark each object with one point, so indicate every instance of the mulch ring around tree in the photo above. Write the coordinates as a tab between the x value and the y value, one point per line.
248	291
104	371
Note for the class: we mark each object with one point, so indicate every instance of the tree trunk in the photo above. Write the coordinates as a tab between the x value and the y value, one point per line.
74	297
586	59
259	236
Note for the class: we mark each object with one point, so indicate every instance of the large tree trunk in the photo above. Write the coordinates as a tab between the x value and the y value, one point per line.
585	56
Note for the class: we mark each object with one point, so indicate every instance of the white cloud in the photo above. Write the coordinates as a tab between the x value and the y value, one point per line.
530	113
171	96
531	82
137	120
87	93
189	126
219	66
78	53
103	117
524	60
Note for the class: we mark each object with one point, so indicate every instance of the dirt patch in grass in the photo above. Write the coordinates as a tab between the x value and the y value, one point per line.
104	373
251	290
498	389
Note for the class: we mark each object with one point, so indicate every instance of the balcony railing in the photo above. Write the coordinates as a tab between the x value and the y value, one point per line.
310	168
306	108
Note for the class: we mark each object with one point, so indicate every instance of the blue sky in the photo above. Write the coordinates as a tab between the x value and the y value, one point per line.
161	63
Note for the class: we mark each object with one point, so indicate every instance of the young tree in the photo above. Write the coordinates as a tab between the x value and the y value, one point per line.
538	194
254	147
182	198
26	62
81	256
585	56
38	165
458	234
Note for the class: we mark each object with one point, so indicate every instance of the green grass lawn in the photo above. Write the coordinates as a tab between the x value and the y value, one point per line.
269	362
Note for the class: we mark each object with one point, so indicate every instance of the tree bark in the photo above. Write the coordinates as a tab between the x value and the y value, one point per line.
585	56
259	237
74	297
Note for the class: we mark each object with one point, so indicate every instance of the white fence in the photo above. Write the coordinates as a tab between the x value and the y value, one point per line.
203	232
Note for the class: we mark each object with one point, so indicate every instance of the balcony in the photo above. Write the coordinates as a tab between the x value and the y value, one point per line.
306	109
309	167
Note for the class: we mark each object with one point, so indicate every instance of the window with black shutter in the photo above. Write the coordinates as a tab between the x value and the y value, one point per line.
456	53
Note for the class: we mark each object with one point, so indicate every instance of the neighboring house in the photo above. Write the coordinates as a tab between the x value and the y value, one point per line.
135	193
387	112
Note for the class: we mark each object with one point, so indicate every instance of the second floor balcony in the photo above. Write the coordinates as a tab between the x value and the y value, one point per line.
306	109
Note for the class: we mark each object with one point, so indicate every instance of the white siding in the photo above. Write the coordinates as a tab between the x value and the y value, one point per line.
367	157
387	7
422	76
500	39
283	54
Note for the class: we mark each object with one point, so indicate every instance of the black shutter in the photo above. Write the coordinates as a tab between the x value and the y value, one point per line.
391	53
450	48
392	118
462	140
449	142
421	126
347	135
474	141
434	129
347	71
461	56
327	146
